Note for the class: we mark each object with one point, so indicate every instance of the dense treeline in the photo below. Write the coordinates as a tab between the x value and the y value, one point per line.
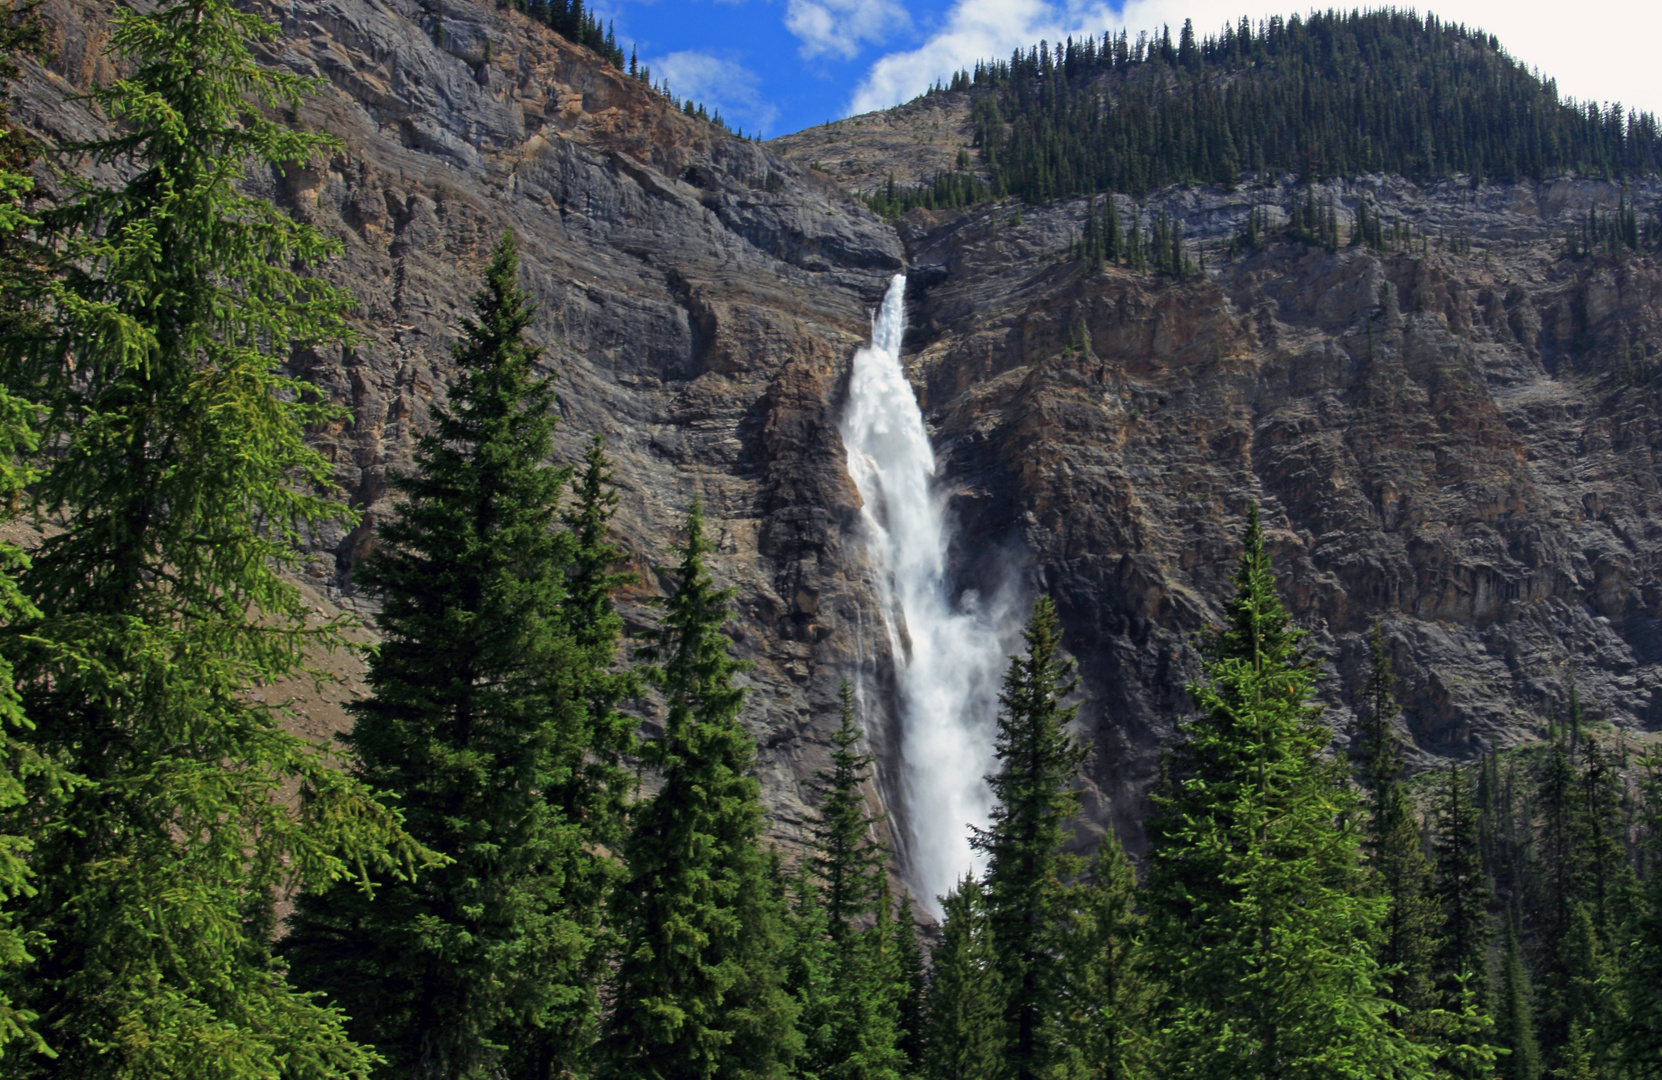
1333	94
951	189
484	890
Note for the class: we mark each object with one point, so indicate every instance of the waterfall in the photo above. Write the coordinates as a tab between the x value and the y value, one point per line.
949	652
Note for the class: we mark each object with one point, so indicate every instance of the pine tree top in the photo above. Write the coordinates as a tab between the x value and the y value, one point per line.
847	857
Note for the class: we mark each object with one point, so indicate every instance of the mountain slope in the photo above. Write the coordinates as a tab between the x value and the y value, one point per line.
1454	435
699	298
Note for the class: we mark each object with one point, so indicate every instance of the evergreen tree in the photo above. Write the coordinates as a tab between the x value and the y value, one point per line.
477	721
1515	1026
180	471
964	1008
1642	979
846	856
1259	924
910	987
699	985
1107	991
19	762
808	972
1462	890
19	32
871	980
854	1013
595	782
1593	1010
1391	840
1026	891
1553	889
1320	94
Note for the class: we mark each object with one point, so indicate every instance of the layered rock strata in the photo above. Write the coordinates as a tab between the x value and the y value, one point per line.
1455	439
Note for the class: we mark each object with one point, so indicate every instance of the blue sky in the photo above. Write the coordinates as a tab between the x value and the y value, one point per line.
778	66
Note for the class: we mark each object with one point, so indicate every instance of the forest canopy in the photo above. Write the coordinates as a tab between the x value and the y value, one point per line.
1332	94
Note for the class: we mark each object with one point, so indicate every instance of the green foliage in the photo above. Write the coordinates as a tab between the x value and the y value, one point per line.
1026	891
181	475
1642	980
964	1014
1107	989
1396	861
1462	957
854	993
1314	223
490	699
1259	924
572	21
1614	233
846	856
1337	93
950	189
20	32
699	984
909	987
1515	1015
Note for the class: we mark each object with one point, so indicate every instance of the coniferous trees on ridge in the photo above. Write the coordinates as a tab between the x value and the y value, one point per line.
1322	96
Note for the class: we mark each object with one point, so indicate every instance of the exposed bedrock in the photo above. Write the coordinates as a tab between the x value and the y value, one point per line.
1460	446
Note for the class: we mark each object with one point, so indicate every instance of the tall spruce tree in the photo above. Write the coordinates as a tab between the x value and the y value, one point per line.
853	1027
808	971
1554	890
910	987
178	466
1259	922
847	858
600	782
1642	978
1396	859
19	762
1515	1015
1462	891
20	32
1028	872
1106	989
699	984
964	1006
477	720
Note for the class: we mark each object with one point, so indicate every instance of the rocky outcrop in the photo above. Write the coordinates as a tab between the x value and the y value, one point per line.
1455	439
909	143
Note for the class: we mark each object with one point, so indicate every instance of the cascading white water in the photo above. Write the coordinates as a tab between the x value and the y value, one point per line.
950	653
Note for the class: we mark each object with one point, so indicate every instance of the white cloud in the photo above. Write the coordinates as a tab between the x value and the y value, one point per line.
1607	66
720	84
841	27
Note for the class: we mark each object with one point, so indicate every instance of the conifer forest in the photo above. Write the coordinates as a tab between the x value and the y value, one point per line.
544	846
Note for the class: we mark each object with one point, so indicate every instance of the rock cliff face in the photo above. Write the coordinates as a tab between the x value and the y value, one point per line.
1458	445
701	300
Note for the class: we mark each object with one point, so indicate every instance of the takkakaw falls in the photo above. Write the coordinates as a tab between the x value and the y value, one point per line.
949	651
